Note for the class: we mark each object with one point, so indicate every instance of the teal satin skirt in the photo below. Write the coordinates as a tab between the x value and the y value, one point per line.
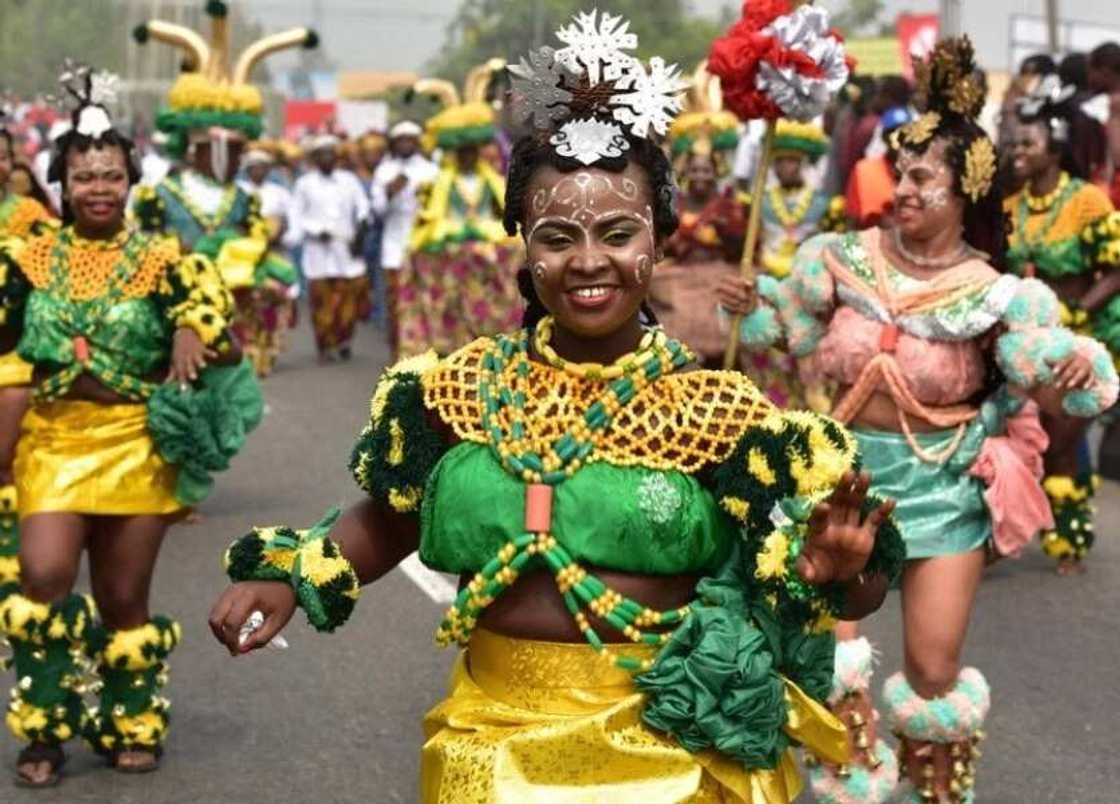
940	507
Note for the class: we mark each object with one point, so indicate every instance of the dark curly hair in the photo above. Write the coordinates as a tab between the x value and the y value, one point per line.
532	152
73	141
1085	145
951	87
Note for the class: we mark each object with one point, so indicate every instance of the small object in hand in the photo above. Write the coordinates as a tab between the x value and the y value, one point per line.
253	624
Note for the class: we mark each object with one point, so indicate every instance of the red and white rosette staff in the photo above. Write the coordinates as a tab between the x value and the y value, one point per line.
782	59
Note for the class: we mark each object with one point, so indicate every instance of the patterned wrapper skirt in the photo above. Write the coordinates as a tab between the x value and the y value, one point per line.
336	306
530	721
445	301
91	458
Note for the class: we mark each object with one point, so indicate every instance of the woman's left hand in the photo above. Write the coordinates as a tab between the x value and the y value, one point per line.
1073	373
840	540
188	356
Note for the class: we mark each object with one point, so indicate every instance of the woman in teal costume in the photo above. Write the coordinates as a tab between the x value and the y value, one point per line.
110	454
650	553
910	324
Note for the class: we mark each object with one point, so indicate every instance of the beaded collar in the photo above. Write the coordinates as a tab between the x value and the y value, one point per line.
1041	203
544	466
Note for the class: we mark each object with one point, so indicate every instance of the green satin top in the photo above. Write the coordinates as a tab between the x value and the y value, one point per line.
132	335
109	308
627	519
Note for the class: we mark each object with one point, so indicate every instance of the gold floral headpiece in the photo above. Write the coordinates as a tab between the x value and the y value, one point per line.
979	169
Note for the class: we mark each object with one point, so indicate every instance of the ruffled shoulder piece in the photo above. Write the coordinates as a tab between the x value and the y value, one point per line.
682	422
397	449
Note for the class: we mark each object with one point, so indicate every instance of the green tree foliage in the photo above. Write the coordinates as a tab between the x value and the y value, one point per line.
483	29
36	35
860	17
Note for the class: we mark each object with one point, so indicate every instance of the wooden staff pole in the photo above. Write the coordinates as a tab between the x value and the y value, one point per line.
754	223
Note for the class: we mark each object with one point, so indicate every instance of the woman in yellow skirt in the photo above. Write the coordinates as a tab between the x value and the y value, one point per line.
19	218
109	454
651	554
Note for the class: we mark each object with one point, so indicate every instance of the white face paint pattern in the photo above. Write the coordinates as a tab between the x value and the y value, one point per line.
539	270
934	198
642	270
572	195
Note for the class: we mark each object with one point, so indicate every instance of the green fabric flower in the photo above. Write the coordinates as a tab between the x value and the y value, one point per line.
201	428
714	686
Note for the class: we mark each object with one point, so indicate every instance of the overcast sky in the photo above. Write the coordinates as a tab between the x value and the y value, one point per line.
404	34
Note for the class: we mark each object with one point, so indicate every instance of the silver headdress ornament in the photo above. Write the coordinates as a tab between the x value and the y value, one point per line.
592	91
1050	92
91	92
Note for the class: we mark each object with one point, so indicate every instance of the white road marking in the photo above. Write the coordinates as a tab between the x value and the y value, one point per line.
436	586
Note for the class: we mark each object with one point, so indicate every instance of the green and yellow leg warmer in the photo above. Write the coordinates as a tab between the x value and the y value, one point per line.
47	642
9	536
131	714
1071	501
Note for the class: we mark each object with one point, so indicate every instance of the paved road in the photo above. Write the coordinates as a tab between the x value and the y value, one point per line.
336	718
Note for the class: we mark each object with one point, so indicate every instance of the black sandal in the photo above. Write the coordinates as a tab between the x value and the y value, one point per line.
114	760
36	753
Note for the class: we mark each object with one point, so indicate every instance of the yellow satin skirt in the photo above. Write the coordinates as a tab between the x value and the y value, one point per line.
14	371
91	458
529	721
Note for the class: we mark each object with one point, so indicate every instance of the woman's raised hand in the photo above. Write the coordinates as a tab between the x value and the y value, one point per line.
840	539
736	295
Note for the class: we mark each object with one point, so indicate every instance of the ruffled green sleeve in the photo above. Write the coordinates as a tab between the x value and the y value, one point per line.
14	287
191	294
777	474
398	449
147	209
745	670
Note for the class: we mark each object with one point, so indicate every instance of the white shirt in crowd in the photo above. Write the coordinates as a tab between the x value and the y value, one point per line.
334	204
154	168
276	199
399	211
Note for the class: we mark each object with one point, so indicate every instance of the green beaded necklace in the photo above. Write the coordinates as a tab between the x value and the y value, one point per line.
542	471
1032	245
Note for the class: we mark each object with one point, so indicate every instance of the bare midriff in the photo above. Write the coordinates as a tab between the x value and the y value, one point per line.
533	609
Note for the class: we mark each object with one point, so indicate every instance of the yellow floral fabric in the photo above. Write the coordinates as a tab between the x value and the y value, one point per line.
92	458
540	721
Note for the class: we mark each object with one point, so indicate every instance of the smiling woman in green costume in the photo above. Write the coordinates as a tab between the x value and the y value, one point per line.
127	422
651	554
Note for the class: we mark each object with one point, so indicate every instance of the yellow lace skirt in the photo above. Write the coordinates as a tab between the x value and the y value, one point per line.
530	721
90	458
14	371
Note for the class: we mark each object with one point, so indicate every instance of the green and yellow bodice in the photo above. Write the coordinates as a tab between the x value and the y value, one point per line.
1070	232
109	308
513	465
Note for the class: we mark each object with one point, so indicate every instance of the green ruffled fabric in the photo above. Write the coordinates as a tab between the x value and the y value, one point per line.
211	244
1052	260
201	428
1105	324
714	685
273	266
718	682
